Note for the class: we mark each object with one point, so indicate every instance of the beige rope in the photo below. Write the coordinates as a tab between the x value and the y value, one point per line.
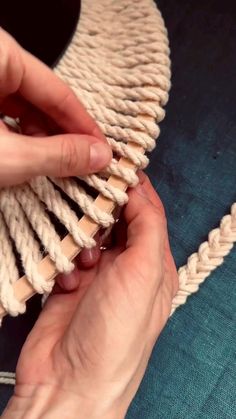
7	378
78	194
55	203
41	224
8	273
123	150
128	175
109	191
24	239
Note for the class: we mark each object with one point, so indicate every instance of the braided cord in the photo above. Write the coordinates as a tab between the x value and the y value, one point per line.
210	255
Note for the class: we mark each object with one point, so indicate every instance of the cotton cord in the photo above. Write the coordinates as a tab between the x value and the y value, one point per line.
44	189
8	273
210	255
40	222
85	202
7	378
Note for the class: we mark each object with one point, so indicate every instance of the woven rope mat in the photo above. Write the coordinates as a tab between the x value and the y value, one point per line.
118	64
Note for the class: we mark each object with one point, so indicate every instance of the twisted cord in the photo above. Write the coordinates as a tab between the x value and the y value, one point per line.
128	175
7	378
126	106
210	255
8	273
154	47
78	194
132	64
123	60
108	191
139	94
44	189
23	236
126	134
40	222
123	150
113	118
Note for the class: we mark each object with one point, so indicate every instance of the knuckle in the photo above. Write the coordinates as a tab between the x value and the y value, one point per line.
175	282
69	156
68	96
64	103
4	62
157	215
11	66
160	209
60	108
172	274
143	177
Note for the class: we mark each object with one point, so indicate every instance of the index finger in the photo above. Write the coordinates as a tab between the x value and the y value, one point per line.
24	74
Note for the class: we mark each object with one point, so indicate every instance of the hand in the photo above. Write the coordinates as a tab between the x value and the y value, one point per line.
44	105
89	349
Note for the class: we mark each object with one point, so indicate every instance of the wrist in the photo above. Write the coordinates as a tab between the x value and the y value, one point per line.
45	402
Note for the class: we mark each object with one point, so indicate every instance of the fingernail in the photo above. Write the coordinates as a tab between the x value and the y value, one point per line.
89	257
70	281
100	156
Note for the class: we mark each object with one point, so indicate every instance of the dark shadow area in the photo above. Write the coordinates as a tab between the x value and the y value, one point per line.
43	27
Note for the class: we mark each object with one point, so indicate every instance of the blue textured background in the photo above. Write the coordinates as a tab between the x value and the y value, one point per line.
193	367
192	372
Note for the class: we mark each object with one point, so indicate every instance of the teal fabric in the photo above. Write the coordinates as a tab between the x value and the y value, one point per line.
191	374
193	367
192	371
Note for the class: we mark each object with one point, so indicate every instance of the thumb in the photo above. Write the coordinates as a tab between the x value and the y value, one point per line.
63	155
147	230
